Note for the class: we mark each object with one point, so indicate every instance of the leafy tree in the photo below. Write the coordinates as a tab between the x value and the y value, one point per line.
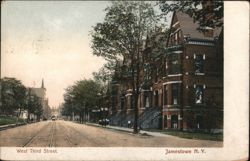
34	105
207	13
39	108
120	36
13	96
104	75
81	97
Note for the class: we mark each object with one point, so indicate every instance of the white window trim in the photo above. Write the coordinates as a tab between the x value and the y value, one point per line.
129	90
176	23
204	56
174	75
177	52
200	43
145	90
129	94
172	82
199	73
175	31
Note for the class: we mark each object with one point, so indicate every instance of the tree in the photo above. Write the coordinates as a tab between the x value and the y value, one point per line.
104	75
207	13
81	97
13	96
120	36
38	107
34	105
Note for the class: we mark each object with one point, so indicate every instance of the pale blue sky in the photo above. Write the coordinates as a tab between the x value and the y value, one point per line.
49	40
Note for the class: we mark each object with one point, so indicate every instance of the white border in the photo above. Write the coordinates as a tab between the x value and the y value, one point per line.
236	107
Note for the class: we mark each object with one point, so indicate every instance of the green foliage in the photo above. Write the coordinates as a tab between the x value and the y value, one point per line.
196	135
124	26
199	13
104	75
120	37
34	105
5	120
81	96
13	95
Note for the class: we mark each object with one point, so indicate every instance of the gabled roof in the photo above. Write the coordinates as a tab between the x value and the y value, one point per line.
188	27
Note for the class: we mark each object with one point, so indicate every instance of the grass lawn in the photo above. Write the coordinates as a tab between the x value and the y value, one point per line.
196	135
5	120
192	135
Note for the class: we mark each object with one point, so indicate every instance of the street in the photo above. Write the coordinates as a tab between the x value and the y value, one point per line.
68	134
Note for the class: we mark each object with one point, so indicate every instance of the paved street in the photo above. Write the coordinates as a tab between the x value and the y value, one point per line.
68	134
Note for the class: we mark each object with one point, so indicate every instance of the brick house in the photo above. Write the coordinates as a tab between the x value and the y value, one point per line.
193	85
181	86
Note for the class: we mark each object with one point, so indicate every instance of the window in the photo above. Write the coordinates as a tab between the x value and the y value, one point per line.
199	63
175	67
179	35
199	122
166	65
165	121
131	102
175	92
174	121
165	95
156	98
199	94
146	101
122	102
176	38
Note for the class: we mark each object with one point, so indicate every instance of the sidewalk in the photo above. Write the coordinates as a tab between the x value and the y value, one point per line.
130	130
3	127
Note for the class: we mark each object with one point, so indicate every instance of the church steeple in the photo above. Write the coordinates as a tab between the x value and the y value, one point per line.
42	84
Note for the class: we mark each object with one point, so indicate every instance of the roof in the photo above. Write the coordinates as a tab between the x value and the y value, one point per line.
39	92
189	27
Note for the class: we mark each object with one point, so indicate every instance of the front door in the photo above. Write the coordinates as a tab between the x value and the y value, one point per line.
174	121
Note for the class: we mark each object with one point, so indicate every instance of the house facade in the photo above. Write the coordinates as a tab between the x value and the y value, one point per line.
181	84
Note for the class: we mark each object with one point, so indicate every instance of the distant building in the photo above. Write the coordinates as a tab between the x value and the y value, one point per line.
41	93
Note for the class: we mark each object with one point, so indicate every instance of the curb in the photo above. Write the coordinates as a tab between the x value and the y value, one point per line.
119	129
5	127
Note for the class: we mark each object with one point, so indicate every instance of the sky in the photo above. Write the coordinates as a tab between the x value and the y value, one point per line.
50	41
